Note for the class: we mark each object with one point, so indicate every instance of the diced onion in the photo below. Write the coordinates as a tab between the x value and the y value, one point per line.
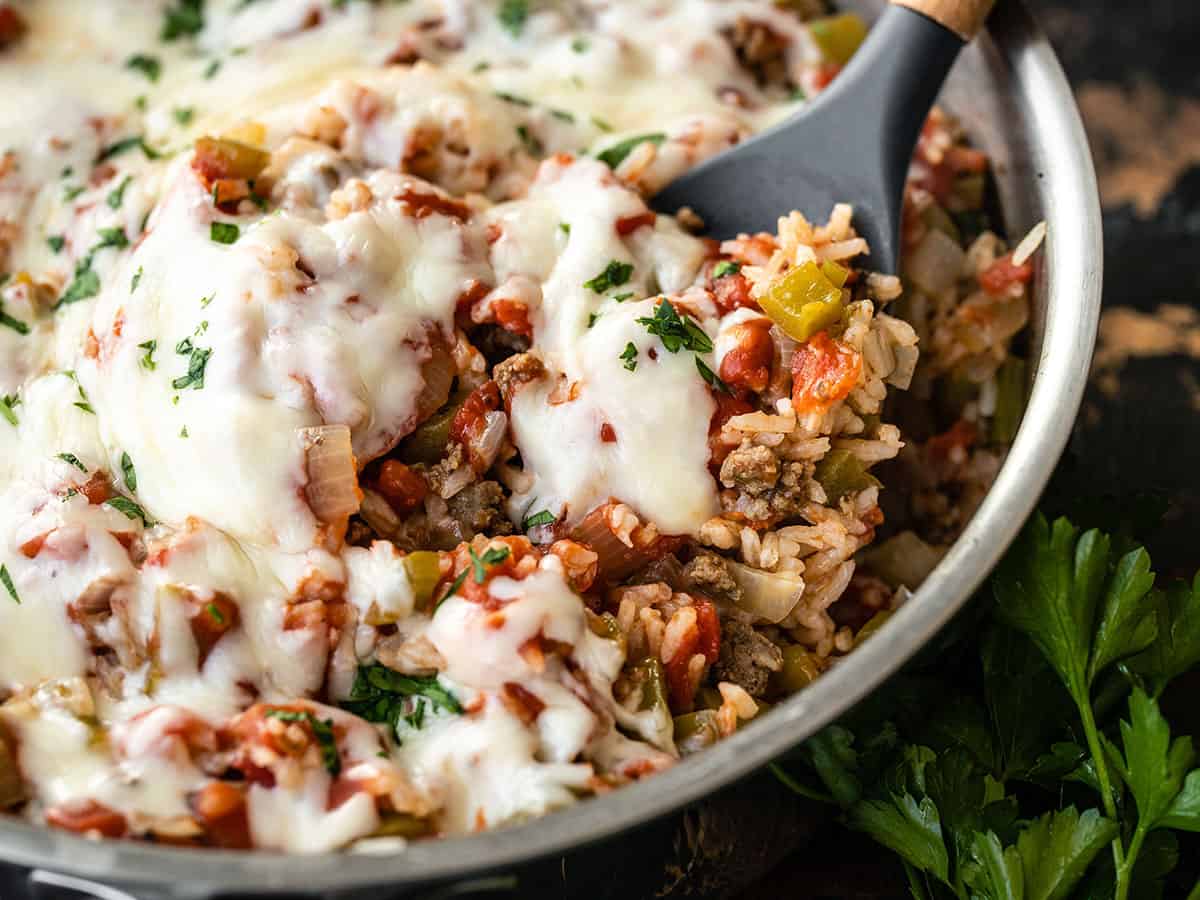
902	560
936	262
768	595
486	447
438	372
332	489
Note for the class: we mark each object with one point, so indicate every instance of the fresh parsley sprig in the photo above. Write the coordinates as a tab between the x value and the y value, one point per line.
391	698
1018	779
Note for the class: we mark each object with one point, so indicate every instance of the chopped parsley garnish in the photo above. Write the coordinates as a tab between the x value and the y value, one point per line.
8	405
714	381
183	432
492	557
602	124
726	267
126	144
629	355
676	333
513	15
184	114
137	277
117	195
83	402
212	69
514	99
150	66
70	193
621	298
615	274
184	19
580	45
214	613
616	154
85	284
592	319
197	362
532	145
565	228
15	324
563	116
7	581
204	301
322	730
128	471
545	517
147	361
184	347
454	586
141	103
56	242
111	237
482	66
129	510
73	460
385	696
224	232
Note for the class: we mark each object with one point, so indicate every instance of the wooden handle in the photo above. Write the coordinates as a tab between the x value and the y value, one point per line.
963	17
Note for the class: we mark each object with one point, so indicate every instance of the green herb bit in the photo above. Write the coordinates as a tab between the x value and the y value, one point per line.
545	517
629	355
56	242
211	69
616	154
714	381
7	321
322	730
615	274
147	361
70	193
129	510
85	285
621	298
514	99
117	195
7	581
136	280
454	586
563	116
592	317
197	363
111	237
184	19
602	124
726	267
184	115
124	146
149	66
214	613
580	45
532	145
675	332
128	471
224	232
491	557
73	460
388	697
8	405
513	14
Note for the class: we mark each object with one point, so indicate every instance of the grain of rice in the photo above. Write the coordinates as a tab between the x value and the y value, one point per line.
1029	244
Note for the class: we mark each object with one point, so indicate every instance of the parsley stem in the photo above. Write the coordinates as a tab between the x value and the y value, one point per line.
799	789
1125	871
1194	893
1106	792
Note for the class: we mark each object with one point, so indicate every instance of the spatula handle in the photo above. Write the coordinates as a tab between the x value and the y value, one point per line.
963	17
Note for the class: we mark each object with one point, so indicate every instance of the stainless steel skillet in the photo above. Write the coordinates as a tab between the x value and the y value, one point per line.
1012	96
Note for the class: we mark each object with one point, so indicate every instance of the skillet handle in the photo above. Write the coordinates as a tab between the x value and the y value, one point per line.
963	17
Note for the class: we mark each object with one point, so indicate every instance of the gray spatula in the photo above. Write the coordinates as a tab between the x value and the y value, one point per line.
851	145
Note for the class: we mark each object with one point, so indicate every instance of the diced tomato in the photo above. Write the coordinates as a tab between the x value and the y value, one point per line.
403	487
87	817
521	702
97	489
1000	275
679	682
731	292
210	622
709	625
469	420
727	407
608	434
824	371
221	808
748	363
512	315
960	436
825	74
626	225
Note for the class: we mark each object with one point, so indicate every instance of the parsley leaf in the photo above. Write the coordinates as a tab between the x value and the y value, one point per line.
117	195
453	589
629	355
7	581
1127	625
128	471
183	115
726	267
388	697
184	19
615	155
73	460
1057	848
675	332
1154	766
615	274
147	361
149	66
129	509
124	145
545	517
56	242
224	232
322	730
912	828
137	277
15	324
512	15
714	381
480	564
8	404
86	284
197	363
1177	647
111	237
